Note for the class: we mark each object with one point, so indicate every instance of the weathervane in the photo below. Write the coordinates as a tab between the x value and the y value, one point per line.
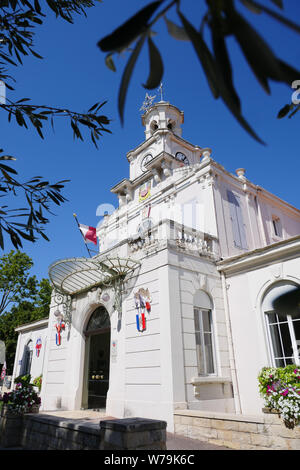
160	89
147	102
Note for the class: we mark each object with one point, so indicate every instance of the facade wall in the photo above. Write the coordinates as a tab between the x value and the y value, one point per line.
245	293
30	334
194	275
255	210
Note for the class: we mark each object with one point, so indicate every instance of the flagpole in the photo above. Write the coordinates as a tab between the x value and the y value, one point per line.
75	216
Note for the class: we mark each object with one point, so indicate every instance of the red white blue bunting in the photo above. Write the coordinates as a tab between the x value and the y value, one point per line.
142	304
60	325
38	346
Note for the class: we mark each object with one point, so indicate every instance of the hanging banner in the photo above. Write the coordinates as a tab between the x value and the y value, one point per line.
38	346
114	350
60	325
144	191
140	322
142	301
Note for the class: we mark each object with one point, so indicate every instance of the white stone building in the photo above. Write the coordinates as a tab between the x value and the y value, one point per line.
208	251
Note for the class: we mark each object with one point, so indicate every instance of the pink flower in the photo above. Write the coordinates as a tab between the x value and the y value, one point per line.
285	392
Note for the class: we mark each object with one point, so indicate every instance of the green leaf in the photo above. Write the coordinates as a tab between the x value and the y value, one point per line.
127	75
35	54
215	80
289	73
176	31
258	54
37	6
278	3
130	30
110	63
19	117
251	7
8	168
203	53
93	107
44	236
285	110
1	239
290	24
223	62
156	67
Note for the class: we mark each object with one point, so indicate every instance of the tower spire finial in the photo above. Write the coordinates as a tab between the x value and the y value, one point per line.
160	89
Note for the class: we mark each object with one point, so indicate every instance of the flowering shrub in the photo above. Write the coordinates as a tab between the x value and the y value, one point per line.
22	399
280	388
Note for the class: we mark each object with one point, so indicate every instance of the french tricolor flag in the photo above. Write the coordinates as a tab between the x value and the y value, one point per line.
89	233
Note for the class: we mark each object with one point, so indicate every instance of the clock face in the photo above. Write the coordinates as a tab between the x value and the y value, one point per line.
182	158
145	160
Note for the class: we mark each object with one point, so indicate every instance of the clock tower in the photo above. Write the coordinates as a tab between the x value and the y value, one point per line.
163	149
159	161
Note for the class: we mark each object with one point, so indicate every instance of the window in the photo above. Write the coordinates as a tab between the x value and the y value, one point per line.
27	358
98	320
238	228
283	330
277	228
284	334
204	341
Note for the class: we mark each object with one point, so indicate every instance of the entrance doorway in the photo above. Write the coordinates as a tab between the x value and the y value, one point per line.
98	347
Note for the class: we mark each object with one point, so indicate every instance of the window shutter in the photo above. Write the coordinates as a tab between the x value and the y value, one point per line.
239	234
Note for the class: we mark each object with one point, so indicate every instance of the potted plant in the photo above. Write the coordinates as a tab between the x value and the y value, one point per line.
23	399
37	382
280	388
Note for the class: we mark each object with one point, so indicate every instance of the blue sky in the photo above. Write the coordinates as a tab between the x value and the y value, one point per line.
73	75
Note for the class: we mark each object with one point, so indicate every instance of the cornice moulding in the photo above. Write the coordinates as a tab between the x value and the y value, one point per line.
285	249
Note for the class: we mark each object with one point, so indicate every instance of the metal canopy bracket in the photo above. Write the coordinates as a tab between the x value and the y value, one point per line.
73	276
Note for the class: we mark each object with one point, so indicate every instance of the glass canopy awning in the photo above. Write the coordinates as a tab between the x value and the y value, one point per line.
74	275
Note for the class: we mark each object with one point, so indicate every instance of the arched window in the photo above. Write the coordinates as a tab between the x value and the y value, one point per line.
283	330
99	320
27	358
153	126
204	333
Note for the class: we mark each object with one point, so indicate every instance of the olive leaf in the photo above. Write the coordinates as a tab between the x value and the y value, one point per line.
285	110
125	34
177	32
223	62
204	55
258	54
215	80
110	63
278	3
156	67
251	7
127	75
286	22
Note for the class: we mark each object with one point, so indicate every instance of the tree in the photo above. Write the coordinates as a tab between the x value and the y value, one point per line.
18	20
27	299
222	19
15	282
